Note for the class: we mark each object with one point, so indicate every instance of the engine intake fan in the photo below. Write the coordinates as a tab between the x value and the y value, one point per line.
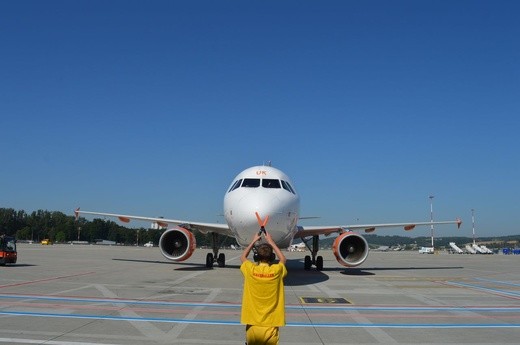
350	249
177	244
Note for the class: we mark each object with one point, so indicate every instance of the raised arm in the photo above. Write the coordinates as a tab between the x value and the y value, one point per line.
246	251
276	250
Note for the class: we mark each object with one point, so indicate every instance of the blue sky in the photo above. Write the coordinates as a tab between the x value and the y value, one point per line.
151	108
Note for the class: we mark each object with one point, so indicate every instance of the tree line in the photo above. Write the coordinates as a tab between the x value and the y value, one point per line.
61	228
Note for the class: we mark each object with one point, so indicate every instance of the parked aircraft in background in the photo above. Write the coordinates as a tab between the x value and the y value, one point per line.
263	197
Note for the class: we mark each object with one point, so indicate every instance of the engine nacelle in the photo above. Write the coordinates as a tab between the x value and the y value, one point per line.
177	244
350	249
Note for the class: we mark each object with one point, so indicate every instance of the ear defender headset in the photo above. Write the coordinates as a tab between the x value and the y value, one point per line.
256	257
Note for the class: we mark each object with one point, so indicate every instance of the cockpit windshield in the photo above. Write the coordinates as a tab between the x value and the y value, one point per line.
235	185
287	187
270	183
251	182
265	183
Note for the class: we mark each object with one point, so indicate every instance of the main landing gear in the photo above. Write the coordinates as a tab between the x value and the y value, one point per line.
312	259
211	258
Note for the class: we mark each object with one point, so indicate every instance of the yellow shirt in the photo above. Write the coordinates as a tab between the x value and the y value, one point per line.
263	300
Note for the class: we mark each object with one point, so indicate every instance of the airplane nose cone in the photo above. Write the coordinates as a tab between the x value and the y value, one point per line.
265	206
281	206
242	216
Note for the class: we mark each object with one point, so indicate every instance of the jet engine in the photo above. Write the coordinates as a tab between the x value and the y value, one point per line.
177	244
350	249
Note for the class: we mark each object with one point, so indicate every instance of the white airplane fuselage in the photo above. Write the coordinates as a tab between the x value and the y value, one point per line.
265	191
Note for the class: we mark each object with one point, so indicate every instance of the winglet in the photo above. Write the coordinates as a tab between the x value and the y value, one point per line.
459	223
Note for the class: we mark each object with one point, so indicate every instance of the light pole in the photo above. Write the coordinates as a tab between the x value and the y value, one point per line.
431	218
473	222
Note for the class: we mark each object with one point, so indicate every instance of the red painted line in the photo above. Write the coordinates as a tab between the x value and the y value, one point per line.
44	280
307	307
59	306
405	316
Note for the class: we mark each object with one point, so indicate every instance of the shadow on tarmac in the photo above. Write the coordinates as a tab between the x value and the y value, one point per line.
297	276
18	265
367	271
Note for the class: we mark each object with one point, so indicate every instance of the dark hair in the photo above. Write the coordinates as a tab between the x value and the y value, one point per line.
265	253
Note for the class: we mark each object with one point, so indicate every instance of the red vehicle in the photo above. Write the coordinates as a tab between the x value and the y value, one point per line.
8	254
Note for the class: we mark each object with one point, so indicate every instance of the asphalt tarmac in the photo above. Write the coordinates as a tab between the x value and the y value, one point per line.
84	294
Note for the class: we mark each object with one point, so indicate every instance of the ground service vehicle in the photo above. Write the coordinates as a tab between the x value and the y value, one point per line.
8	254
426	250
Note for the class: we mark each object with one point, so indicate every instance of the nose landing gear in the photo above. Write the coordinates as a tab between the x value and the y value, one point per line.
313	259
211	258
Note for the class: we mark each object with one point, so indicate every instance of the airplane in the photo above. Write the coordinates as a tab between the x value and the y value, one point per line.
262	197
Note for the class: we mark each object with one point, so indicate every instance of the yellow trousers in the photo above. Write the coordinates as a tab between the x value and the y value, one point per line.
258	335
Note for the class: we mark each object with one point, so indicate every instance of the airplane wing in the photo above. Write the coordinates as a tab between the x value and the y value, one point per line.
204	228
304	231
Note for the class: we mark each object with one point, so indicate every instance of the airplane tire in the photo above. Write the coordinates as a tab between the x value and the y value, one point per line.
221	261
319	263
209	260
307	263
